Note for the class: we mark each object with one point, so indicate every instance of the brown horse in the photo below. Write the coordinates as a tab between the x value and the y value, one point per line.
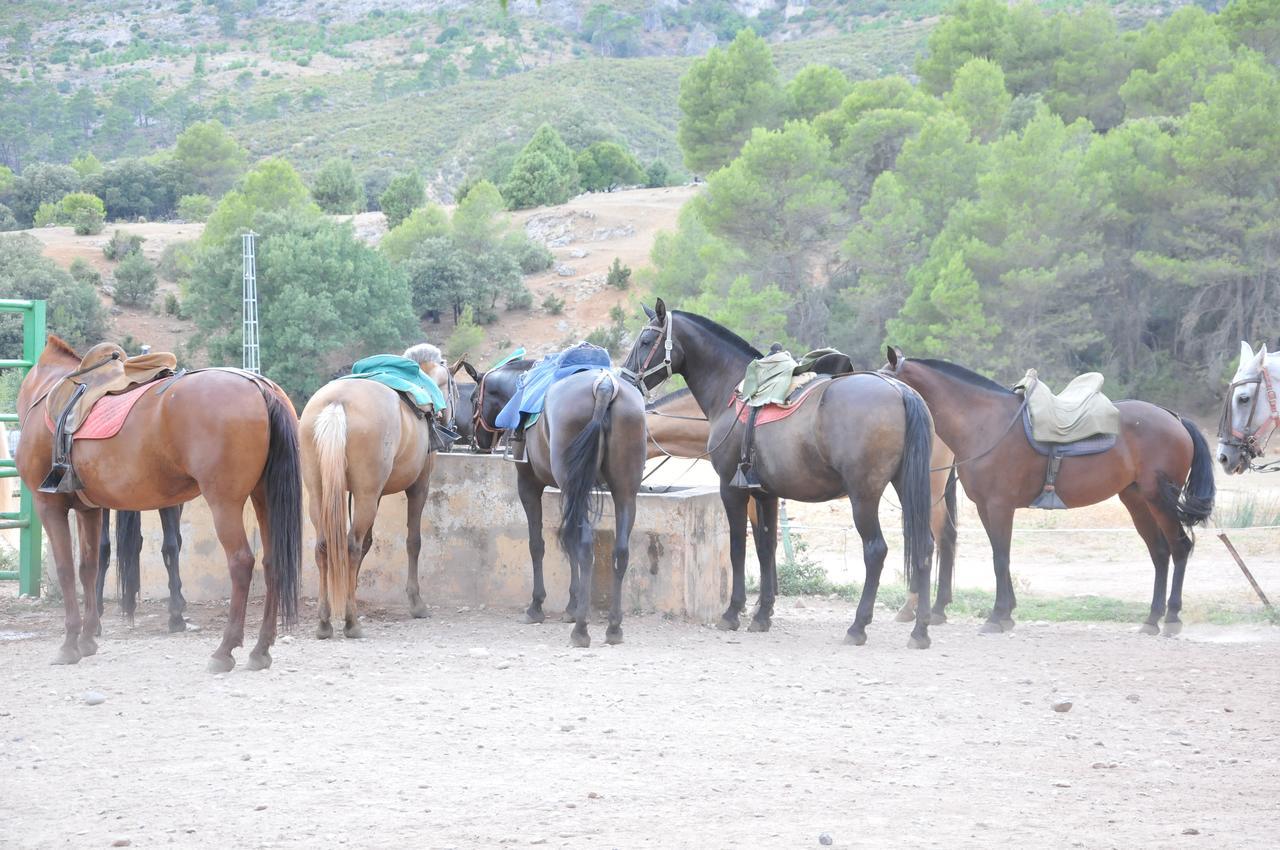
591	430
361	441
855	436
221	433
1160	466
679	428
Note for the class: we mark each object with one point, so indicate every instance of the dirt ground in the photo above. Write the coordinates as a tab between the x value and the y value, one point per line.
471	730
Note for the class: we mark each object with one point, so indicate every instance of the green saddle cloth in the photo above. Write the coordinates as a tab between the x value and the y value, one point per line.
402	375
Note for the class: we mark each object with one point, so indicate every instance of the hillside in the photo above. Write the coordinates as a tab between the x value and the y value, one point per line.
585	235
449	87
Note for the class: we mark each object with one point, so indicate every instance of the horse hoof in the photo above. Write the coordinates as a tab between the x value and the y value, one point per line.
177	624
581	641
914	642
67	655
727	625
1148	629
990	628
566	617
760	625
906	614
87	646
221	664
937	618
1172	628
258	662
98	631
324	631
355	632
532	618
855	638
1007	625
419	612
613	635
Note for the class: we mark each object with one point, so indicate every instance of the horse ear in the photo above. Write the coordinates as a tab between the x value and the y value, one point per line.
471	370
893	355
660	308
1246	352
1260	357
648	311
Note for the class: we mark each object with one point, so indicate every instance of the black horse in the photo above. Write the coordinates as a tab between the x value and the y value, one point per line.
493	390
853	436
129	554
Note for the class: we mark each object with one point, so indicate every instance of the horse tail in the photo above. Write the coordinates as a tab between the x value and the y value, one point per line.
582	464
283	477
950	528
1193	503
128	559
914	489
330	434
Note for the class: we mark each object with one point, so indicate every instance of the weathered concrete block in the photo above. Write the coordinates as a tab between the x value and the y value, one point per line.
475	548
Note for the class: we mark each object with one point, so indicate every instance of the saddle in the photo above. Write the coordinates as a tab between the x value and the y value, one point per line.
1077	422
773	388
104	370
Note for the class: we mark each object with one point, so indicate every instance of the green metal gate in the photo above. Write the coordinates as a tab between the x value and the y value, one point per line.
33	336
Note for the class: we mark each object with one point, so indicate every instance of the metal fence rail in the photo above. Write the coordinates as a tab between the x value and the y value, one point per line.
29	540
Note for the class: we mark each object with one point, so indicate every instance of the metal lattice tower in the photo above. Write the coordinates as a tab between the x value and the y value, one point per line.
250	361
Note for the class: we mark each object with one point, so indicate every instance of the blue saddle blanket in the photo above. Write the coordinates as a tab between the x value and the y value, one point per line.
402	375
531	392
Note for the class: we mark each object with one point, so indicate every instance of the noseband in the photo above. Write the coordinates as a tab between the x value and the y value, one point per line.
1245	438
663	368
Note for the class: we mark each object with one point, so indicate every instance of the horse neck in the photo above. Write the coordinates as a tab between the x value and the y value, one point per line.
967	417
712	367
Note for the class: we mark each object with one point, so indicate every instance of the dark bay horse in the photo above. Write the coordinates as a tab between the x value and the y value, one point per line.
1160	467
591	431
221	433
493	390
854	437
129	557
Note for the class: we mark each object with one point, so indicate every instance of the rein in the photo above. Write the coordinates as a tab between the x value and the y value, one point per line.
1246	439
959	463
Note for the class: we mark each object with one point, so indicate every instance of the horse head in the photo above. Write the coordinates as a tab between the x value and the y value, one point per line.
1249	410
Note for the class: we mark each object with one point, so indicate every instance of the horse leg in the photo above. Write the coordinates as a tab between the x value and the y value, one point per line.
417	499
359	541
530	489
624	511
582	560
765	532
1179	545
90	527
874	549
1147	527
998	522
170	521
735	508
260	657
228	523
104	560
57	528
324	629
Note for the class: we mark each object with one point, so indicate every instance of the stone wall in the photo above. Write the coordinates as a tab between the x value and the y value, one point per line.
475	549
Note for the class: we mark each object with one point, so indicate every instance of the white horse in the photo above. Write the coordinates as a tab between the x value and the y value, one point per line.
1251	413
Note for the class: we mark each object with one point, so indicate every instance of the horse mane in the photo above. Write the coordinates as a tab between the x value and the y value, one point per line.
960	373
722	333
669	398
57	345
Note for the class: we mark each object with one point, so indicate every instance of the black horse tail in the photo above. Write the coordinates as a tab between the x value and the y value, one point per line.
128	559
1192	504
283	475
582	464
914	489
950	528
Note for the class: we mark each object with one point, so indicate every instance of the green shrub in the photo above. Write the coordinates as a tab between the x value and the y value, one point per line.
122	244
657	175
403	195
611	336
336	188
47	215
467	336
619	275
85	273
176	261
553	304
135	281
82	211
519	298
532	256
172	306
194	207
800	575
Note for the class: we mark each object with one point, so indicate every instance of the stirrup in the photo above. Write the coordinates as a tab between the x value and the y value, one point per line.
62	478
745	478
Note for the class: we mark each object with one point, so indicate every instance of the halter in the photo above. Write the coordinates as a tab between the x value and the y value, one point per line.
640	378
477	415
1246	439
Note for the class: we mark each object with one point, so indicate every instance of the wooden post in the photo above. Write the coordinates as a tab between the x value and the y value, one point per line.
1254	582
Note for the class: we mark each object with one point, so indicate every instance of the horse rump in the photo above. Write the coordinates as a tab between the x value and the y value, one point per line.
1192	504
582	465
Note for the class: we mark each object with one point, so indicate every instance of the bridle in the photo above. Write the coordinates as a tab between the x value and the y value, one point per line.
1246	438
640	379
477	414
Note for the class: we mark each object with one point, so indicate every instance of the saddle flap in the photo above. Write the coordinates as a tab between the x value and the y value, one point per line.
103	371
1079	412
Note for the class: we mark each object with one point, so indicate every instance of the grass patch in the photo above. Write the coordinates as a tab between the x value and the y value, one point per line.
1248	511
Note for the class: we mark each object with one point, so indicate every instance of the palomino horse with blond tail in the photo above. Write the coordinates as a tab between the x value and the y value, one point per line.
228	435
361	441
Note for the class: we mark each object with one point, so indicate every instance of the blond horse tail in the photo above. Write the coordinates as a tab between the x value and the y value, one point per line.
330	434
